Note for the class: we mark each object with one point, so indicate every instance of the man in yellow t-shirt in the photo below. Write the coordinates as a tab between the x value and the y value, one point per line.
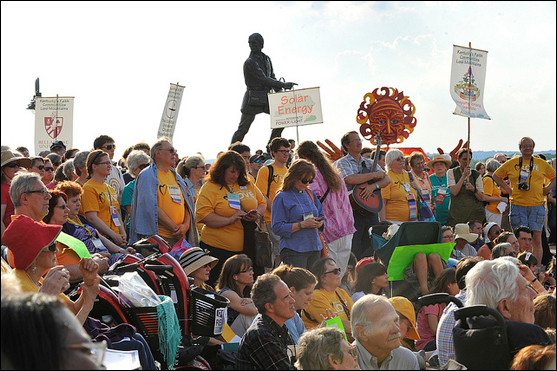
280	150
527	193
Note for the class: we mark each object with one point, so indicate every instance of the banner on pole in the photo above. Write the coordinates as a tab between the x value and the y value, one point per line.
53	121
170	112
467	82
295	108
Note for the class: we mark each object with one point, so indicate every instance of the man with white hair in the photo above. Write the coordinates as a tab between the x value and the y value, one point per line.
375	325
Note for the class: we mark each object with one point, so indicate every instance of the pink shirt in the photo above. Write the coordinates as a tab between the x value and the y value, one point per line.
337	209
422	324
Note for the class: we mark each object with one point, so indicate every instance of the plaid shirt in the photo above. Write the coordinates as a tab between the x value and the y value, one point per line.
264	346
444	338
349	166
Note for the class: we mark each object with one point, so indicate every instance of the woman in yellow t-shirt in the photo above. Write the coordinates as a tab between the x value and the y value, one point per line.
227	198
399	197
492	193
100	201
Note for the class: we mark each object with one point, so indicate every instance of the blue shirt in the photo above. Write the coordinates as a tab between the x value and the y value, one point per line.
289	207
348	165
295	327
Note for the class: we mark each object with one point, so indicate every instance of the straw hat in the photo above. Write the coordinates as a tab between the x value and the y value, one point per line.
463	231
11	156
195	258
439	158
405	307
25	238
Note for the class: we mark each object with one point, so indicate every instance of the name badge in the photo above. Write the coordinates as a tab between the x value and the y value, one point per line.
523	175
114	216
98	243
425	195
441	193
234	201
243	187
406	187
308	215
175	194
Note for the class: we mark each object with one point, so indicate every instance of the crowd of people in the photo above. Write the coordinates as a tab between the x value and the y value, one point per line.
325	299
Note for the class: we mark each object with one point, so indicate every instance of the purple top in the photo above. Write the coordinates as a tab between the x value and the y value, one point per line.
337	209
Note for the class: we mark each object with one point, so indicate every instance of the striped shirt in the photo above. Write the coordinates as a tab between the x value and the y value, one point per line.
349	166
444	337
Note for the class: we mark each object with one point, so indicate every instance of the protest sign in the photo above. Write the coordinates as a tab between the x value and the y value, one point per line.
295	108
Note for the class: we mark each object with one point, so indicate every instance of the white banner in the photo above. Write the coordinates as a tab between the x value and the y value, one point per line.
170	112
295	108
468	80
53	121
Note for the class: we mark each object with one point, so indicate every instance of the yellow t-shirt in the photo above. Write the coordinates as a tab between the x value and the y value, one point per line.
263	181
168	195
321	300
213	198
534	196
29	286
100	197
492	189
395	195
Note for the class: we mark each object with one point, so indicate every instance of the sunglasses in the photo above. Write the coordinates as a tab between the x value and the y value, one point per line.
110	146
49	168
334	271
306	181
198	167
171	150
13	164
52	247
41	167
512	253
142	166
258	161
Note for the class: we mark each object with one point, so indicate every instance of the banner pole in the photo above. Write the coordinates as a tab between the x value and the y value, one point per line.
469	101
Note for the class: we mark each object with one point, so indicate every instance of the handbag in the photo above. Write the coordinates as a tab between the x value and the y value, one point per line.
424	212
263	248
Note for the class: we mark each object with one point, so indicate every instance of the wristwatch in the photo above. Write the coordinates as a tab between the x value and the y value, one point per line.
300	225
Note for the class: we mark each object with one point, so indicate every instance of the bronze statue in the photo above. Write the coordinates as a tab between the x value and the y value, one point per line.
260	79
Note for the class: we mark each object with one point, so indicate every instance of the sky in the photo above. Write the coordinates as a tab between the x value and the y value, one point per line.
118	59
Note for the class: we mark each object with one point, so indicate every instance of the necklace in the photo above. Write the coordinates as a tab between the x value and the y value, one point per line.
32	280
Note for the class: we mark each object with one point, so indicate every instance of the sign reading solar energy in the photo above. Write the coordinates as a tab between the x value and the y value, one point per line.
295	108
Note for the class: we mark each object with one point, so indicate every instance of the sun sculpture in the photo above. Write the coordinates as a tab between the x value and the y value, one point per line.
389	113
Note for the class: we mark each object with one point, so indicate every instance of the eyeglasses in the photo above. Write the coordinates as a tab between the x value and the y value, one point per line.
258	161
283	151
41	167
198	167
356	141
512	253
352	351
43	190
62	207
49	168
96	350
399	159
306	181
407	322
109	147
497	232
52	247
104	163
334	271
171	150
449	237
250	269
13	164
142	166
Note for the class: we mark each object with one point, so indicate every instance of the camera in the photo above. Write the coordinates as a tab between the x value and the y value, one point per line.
524	186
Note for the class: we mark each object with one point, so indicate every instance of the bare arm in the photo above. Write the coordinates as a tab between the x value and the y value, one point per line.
94	219
242	305
502	184
433	321
362	178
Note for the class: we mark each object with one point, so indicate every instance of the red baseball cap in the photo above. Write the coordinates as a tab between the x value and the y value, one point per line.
363	262
25	238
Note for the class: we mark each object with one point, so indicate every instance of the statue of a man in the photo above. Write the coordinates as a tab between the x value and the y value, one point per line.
260	79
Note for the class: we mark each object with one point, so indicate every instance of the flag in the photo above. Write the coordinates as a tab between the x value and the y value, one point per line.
170	112
468	81
53	121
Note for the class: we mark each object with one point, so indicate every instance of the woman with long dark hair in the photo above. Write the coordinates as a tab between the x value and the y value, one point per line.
329	187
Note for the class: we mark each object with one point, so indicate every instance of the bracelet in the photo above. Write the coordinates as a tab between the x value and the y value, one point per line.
300	225
534	280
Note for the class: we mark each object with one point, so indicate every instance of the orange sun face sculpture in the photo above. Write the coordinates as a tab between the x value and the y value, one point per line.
392	115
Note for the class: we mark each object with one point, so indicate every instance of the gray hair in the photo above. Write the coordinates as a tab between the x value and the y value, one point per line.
136	157
158	145
315	346
491	281
22	183
499	249
392	155
68	166
194	161
263	291
359	315
492	165
80	161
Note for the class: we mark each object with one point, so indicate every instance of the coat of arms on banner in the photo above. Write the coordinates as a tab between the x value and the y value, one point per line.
467	88
52	127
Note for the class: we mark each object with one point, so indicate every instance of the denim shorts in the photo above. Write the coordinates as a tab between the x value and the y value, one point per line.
530	216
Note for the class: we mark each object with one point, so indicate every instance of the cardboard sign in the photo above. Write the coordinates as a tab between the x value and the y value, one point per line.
295	108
